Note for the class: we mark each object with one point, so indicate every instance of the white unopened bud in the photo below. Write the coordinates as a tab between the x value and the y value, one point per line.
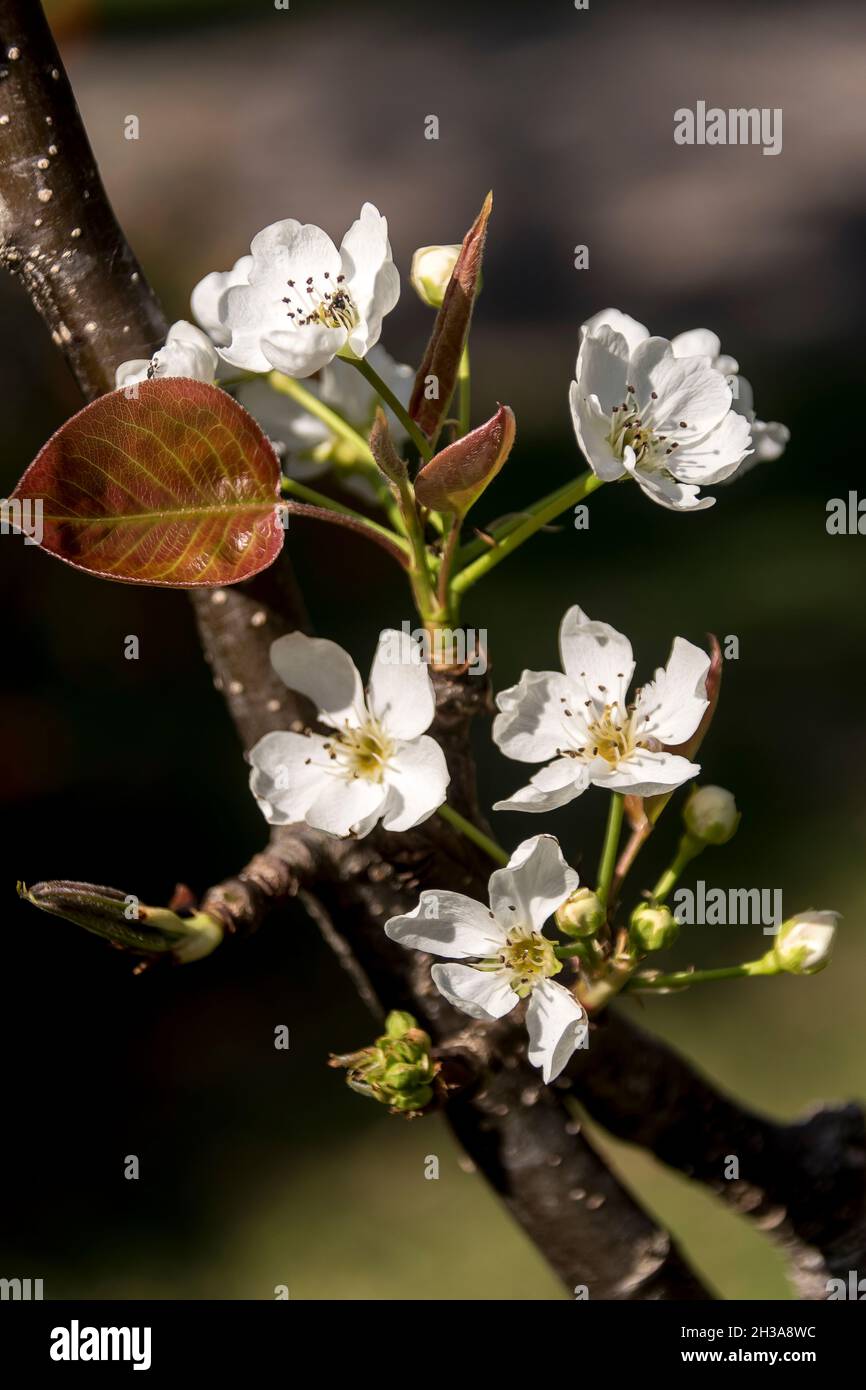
804	942
431	271
581	915
711	815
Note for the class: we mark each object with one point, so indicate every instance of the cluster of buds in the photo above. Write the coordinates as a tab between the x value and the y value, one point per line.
399	1070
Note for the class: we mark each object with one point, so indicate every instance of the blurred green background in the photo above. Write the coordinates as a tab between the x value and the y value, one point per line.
258	1167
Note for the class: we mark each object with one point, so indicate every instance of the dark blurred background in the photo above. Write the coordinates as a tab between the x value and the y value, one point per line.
258	1167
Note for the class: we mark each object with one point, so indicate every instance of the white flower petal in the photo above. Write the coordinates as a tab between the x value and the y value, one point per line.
449	924
671	707
769	441
533	724
687	389
596	655
292	250
207	299
551	787
592	428
288	772
186	352
249	313
621	323
697	342
716	455
303	351
345	806
400	691
417	779
645	773
535	881
557	1027
484	994
322	671
371	276
135	370
602	368
666	491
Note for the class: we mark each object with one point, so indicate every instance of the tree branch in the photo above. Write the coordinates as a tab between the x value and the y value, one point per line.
803	1182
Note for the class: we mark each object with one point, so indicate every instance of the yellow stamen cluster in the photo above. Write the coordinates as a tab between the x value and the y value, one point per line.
529	957
362	752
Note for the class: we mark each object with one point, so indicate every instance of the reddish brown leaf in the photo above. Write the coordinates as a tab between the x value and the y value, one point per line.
174	485
451	329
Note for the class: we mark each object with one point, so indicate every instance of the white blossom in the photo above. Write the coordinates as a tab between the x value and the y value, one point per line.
305	301
768	439
638	409
581	726
186	352
378	764
499	955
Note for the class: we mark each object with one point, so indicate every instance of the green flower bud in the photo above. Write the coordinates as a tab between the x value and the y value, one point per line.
397	1023
804	943
412	1101
653	928
399	1069
711	815
120	918
406	1076
431	271
582	914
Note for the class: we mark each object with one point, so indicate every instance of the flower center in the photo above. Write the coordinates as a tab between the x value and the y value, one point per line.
528	957
610	735
362	752
634	426
329	303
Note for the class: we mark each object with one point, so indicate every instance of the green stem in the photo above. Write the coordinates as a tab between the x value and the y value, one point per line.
464	387
386	395
481	546
678	979
607	863
576	948
536	516
426	601
292	488
288	386
448	607
689	848
472	833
